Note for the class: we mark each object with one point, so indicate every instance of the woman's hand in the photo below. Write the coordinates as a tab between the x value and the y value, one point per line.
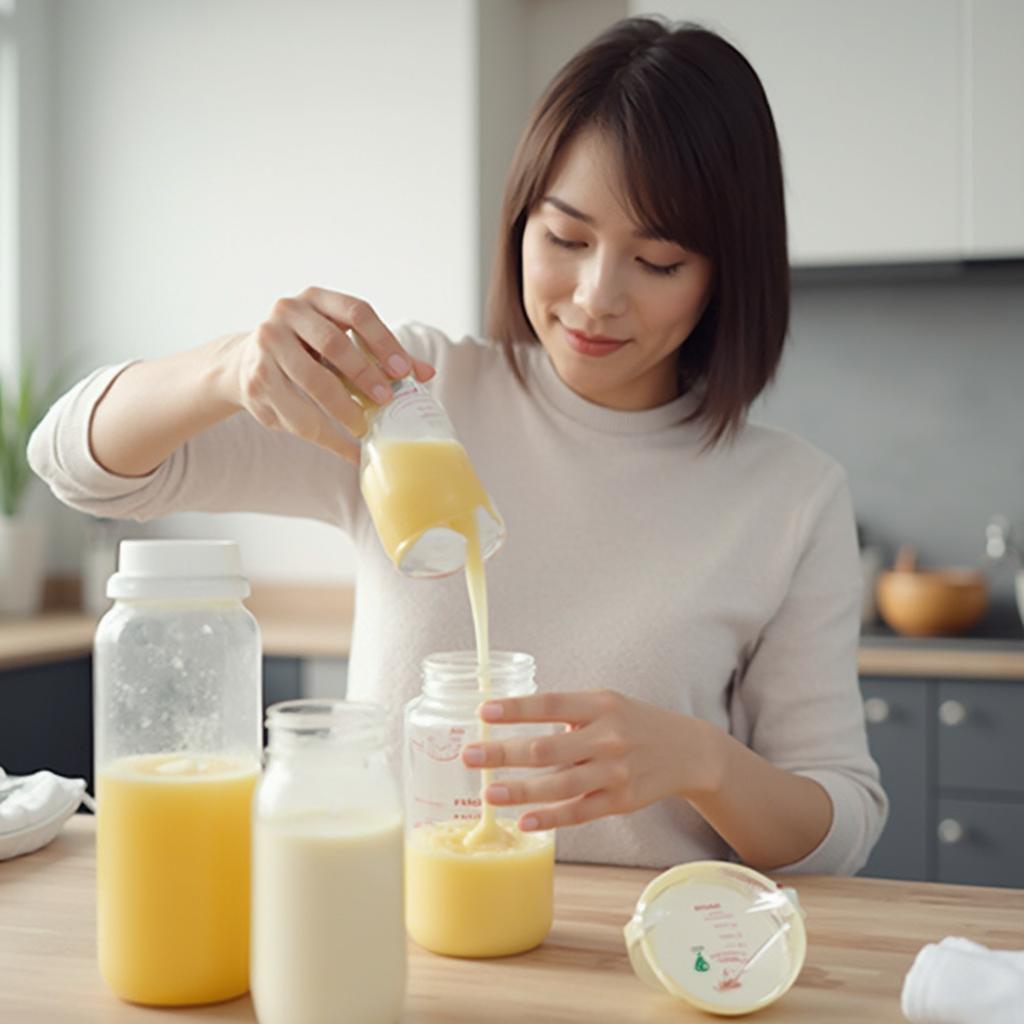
285	373
619	755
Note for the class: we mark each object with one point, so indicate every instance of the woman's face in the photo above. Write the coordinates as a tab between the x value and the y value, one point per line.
610	304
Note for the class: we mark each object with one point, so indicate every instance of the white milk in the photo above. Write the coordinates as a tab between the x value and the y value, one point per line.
328	933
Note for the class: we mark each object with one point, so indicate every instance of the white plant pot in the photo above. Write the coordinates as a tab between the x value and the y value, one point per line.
22	566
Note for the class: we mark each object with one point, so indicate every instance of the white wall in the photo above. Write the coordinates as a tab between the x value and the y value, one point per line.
25	191
216	154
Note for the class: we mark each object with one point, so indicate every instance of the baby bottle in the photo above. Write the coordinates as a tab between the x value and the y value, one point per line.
177	744
328	925
423	494
467	896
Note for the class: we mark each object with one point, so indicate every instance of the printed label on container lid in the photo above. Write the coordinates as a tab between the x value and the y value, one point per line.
721	936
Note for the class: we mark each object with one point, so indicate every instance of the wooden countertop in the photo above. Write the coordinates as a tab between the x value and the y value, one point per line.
315	621
863	935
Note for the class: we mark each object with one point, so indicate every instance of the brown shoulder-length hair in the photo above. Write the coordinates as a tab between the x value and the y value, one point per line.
699	159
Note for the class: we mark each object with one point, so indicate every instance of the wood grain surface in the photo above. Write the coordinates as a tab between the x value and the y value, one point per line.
863	935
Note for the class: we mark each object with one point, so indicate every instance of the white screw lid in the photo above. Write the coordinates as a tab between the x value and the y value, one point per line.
178	569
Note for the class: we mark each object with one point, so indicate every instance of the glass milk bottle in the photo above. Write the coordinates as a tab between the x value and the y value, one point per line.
423	494
177	720
463	899
328	927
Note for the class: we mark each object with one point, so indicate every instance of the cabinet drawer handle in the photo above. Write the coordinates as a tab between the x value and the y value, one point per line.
951	831
952	712
876	710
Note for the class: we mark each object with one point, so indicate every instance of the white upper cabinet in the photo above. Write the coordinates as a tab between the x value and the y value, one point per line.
996	173
899	122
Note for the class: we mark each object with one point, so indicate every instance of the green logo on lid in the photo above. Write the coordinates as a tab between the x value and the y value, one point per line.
701	964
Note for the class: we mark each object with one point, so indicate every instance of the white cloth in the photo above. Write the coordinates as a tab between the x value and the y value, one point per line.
957	981
722	584
33	809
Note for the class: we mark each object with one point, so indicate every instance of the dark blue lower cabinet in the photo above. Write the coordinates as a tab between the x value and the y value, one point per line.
46	719
282	680
980	842
896	711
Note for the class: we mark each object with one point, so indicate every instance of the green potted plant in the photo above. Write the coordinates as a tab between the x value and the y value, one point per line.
23	404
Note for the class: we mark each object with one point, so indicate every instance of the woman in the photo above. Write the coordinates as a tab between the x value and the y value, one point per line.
688	582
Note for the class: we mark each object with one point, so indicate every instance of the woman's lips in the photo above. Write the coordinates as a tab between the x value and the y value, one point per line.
588	345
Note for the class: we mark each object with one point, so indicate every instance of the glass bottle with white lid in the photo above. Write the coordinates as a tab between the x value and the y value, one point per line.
177	692
328	925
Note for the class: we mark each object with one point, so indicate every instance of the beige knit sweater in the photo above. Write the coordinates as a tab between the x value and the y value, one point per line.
724	585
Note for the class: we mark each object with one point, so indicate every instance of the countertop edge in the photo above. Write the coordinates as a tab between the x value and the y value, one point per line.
315	621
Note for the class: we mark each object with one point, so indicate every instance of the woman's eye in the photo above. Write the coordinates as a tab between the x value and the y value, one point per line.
565	243
663	269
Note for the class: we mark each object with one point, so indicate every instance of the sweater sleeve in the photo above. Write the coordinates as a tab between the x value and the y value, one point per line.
799	691
237	465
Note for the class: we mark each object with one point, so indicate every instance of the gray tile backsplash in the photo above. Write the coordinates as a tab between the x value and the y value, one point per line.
917	387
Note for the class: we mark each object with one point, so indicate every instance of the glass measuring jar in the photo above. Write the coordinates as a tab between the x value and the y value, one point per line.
424	497
328	924
177	691
487	900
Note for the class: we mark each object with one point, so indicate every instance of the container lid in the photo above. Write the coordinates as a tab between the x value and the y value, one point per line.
154	569
719	935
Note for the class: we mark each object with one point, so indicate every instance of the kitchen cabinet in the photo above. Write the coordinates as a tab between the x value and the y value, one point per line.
897	714
47	719
996	178
900	124
953	765
980	841
979	736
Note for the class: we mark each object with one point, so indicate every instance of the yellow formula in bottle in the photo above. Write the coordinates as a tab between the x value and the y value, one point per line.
414	486
172	850
491	899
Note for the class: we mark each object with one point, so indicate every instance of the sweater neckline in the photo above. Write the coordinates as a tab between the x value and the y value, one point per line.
557	394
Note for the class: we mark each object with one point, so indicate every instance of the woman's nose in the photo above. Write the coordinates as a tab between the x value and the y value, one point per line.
600	290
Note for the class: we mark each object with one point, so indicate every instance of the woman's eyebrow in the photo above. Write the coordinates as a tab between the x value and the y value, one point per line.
571	211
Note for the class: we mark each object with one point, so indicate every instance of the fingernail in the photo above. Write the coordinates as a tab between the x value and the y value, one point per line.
491	712
528	824
473	756
497	794
380	393
398	366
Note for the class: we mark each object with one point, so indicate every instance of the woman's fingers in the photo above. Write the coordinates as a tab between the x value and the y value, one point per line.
283	406
318	382
424	371
530	752
571	708
347	311
289	368
589	807
549	787
335	347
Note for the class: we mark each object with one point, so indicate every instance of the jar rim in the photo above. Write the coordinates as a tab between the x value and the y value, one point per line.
459	670
360	723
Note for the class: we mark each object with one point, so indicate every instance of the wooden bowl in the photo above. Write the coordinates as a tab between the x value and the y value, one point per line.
931	602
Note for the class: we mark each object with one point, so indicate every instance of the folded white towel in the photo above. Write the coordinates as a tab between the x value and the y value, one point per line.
957	981
33	809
